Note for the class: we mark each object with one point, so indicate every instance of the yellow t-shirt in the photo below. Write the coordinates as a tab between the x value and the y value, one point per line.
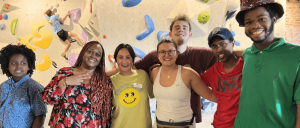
131	101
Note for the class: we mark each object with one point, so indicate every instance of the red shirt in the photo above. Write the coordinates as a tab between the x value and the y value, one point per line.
227	88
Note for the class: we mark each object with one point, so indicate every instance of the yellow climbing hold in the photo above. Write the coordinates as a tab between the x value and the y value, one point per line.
46	39
25	40
46	5
35	29
13	26
45	65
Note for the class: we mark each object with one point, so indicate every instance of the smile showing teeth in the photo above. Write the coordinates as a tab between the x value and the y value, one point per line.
124	65
221	56
257	32
167	59
92	61
18	71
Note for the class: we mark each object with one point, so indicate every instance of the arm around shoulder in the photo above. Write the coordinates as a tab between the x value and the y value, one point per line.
199	86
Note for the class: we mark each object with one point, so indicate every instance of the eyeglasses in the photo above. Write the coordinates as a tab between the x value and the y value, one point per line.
163	53
221	45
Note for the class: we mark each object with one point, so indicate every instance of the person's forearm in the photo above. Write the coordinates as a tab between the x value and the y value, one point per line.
112	72
38	121
64	18
298	116
48	9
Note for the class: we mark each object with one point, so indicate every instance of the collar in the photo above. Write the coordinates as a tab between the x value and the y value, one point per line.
271	47
11	81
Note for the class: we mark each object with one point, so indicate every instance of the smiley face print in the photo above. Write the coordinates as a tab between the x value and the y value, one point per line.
129	97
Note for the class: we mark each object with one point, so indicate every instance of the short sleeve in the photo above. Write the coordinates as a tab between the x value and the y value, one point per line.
38	105
297	87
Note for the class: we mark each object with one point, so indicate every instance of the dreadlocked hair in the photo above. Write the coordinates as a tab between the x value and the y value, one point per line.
100	86
8	51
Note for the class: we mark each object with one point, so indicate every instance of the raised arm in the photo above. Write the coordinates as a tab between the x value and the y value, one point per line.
64	18
200	87
45	13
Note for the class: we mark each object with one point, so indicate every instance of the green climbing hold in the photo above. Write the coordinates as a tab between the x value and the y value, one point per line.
4	9
205	1
19	39
13	26
203	17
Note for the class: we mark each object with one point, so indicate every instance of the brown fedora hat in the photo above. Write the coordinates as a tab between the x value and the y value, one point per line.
250	4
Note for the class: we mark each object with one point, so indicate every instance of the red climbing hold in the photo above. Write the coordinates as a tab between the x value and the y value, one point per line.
7	6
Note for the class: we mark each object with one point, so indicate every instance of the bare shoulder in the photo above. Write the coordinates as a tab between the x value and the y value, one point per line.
155	71
189	71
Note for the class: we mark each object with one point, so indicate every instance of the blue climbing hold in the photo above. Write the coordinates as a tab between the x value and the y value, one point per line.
130	3
138	52
2	26
149	30
237	43
162	34
5	16
233	33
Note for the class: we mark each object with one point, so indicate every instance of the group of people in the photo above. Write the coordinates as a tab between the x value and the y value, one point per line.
257	87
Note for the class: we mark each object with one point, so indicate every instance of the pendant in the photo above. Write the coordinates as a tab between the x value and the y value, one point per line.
168	76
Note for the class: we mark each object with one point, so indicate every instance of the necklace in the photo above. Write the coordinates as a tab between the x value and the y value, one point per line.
172	72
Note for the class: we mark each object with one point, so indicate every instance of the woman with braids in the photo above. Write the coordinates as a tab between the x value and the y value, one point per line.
81	94
131	89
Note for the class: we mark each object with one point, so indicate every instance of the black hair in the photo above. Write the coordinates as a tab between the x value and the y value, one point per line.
128	47
7	52
167	40
268	8
231	39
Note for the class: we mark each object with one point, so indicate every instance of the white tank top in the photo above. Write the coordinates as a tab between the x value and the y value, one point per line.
173	102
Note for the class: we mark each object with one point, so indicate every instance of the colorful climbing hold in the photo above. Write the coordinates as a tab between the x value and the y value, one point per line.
104	36
46	5
46	64
162	34
0	17
2	26
203	17
7	6
138	52
18	43
75	15
5	10
19	39
130	3
73	58
149	30
5	16
13	26
110	58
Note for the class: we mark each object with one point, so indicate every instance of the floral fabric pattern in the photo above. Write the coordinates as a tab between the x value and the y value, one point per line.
72	106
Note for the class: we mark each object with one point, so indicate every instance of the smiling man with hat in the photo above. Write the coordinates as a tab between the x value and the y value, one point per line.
270	95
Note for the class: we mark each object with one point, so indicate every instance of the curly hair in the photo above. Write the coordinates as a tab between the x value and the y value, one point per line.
101	88
128	47
7	52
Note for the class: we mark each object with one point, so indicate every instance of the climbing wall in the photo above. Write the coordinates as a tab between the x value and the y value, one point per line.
33	30
128	24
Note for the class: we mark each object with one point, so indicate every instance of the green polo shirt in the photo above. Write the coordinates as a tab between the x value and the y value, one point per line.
270	87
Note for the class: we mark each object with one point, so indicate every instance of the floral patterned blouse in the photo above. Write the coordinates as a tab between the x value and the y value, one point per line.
72	106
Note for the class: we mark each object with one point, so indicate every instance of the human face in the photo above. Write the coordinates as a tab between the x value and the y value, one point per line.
167	59
92	56
222	49
180	32
259	25
18	67
124	61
